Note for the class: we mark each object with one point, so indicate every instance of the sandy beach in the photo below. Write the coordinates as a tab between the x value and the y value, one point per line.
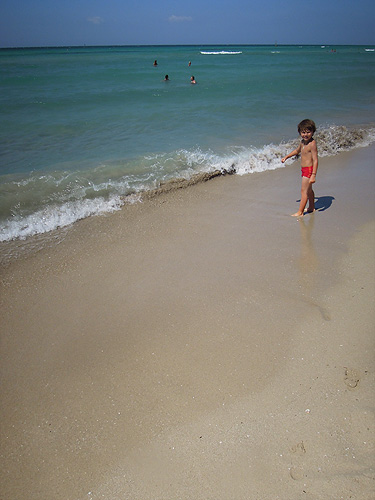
201	345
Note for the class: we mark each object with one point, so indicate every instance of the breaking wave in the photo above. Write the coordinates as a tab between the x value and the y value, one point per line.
220	52
41	203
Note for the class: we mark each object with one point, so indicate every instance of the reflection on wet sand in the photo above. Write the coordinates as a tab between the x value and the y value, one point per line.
308	264
308	260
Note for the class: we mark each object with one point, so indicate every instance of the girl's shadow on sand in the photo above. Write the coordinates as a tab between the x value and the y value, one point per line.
322	202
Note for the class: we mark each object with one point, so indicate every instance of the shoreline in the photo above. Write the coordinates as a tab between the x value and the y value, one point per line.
172	350
49	221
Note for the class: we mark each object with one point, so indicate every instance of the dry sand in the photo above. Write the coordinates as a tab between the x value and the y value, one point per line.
202	345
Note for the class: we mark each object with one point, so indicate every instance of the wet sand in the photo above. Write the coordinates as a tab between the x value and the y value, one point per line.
200	345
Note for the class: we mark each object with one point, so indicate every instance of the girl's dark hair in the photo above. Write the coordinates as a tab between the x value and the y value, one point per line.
306	125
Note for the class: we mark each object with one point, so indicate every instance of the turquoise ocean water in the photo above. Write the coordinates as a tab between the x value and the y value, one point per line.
86	129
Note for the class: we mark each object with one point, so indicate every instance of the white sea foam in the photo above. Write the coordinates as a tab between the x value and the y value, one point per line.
221	52
69	198
331	141
53	217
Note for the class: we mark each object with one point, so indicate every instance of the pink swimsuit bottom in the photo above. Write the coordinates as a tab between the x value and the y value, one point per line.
307	171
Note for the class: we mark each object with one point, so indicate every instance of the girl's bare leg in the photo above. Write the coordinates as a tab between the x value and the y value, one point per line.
304	196
311	198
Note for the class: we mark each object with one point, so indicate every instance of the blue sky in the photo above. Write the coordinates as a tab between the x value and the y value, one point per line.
128	22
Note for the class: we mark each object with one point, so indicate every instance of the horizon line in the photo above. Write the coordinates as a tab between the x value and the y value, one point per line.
188	45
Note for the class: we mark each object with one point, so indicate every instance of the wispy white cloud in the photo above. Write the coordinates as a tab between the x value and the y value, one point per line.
95	20
179	19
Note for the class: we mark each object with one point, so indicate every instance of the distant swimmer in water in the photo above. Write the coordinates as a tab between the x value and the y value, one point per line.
155	62
166	78
192	80
189	63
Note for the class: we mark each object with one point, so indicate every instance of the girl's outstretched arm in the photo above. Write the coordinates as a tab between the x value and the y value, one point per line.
295	152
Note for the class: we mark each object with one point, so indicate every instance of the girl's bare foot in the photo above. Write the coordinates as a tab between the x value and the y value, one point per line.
298	214
310	211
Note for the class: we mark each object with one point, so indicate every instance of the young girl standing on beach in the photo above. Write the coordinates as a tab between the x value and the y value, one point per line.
309	164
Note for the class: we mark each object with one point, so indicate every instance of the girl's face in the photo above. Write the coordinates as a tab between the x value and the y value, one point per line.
306	135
